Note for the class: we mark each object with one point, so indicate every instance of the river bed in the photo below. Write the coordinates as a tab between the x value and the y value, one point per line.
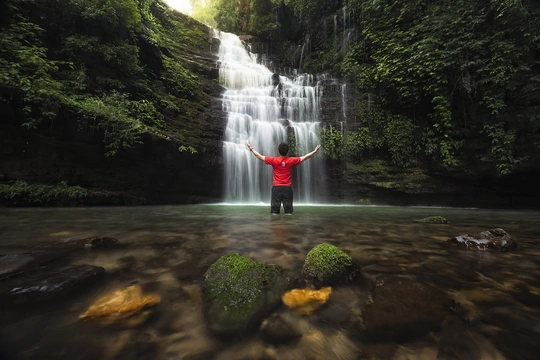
167	249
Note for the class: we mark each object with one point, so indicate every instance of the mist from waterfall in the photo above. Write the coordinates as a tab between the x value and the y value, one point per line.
266	112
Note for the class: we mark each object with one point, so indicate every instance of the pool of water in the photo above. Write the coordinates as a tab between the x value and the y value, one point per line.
170	247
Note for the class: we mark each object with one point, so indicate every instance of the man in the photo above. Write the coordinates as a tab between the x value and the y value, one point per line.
282	185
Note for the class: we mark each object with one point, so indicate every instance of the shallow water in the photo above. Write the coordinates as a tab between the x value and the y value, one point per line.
170	247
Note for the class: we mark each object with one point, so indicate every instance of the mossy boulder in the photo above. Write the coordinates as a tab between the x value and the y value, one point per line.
434	220
238	293
325	264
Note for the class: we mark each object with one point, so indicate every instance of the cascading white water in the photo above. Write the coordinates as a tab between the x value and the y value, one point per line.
266	114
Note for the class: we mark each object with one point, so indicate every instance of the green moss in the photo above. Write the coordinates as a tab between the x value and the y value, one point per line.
325	261
236	285
434	220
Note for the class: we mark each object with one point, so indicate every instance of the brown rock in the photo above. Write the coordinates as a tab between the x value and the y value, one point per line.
121	305
403	308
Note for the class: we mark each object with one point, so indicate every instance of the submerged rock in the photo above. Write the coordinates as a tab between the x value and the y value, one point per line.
239	292
12	263
88	243
305	301
281	327
318	345
403	308
328	265
38	286
491	240
434	220
458	340
124	305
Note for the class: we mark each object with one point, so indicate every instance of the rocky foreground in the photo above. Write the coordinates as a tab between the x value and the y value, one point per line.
244	309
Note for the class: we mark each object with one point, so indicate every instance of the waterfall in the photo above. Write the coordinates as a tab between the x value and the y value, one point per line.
344	101
266	109
335	32
344	19
301	57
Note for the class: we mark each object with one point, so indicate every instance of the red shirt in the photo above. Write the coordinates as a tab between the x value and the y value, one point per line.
282	168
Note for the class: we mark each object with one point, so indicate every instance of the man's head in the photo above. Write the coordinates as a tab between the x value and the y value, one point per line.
283	149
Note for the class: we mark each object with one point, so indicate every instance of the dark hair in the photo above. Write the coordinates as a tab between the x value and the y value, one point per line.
283	149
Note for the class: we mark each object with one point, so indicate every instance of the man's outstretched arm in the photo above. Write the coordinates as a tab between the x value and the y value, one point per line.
307	156
259	156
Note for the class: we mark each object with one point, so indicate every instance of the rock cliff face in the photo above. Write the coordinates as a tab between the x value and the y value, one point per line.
339	103
153	172
159	170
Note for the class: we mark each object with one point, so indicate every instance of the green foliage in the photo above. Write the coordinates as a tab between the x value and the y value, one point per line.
179	80
458	66
205	12
354	66
364	201
437	140
395	133
115	13
99	64
263	18
502	147
22	193
332	139
325	261
123	121
190	149
228	17
380	173
359	140
310	12
27	75
399	138
117	54
291	141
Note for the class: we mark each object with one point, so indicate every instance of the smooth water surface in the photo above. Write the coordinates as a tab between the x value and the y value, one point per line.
170	247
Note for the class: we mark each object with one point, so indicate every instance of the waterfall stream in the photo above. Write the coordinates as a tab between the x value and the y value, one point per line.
266	109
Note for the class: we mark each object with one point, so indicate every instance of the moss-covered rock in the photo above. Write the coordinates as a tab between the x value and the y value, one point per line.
239	292
327	264
434	220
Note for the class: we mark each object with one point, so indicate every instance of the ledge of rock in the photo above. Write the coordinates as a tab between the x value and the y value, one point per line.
44	285
490	240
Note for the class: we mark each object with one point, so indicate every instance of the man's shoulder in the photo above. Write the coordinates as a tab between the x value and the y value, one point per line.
269	159
293	160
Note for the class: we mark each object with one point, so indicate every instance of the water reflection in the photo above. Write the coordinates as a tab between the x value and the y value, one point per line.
167	249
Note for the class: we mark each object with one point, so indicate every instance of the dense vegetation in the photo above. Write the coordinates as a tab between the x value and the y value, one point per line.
22	193
440	87
105	69
451	86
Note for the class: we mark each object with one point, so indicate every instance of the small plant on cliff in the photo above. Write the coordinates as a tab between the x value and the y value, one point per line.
22	193
332	142
189	148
